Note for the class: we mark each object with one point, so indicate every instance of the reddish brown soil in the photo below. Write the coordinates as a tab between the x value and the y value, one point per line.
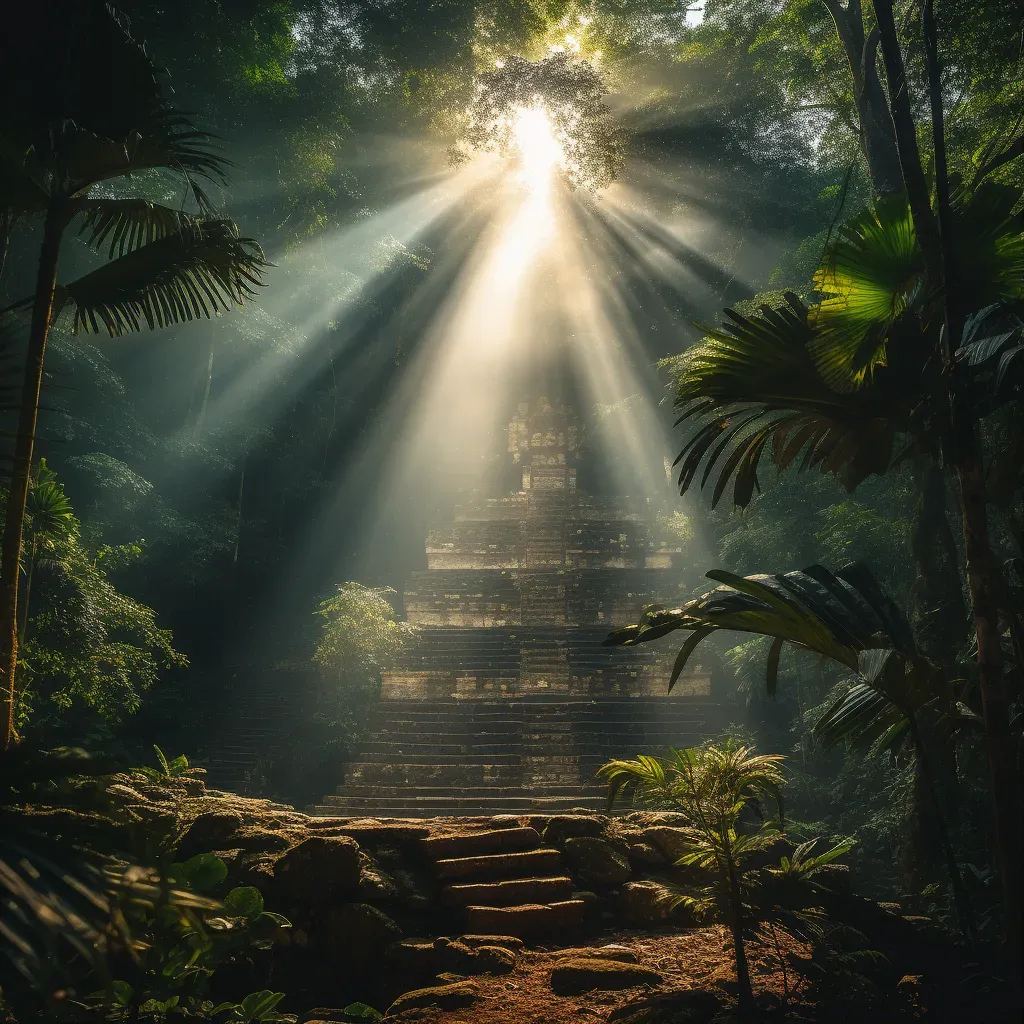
698	958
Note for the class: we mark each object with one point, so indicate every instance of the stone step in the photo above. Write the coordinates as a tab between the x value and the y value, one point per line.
451	760
497	866
402	773
515	892
547	704
480	843
526	921
428	807
463	793
412	811
581	746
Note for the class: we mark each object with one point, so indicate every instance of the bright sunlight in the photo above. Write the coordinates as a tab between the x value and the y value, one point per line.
540	154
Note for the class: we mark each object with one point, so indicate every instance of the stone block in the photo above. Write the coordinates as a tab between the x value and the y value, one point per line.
474	844
447	997
527	921
494	867
585	974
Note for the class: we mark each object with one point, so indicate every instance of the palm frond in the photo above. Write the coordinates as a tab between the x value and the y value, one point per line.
845	616
98	112
869	279
166	140
991	353
196	272
128	224
752	386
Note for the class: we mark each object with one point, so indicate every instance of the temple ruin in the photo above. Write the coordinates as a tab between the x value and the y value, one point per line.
506	701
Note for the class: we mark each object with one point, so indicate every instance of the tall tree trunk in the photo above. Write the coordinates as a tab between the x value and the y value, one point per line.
906	136
995	702
939	617
877	140
938	609
6	226
24	446
981	570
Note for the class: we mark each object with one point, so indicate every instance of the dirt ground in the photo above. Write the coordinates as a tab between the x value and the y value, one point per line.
694	959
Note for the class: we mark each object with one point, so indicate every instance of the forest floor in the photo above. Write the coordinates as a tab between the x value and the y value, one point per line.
696	959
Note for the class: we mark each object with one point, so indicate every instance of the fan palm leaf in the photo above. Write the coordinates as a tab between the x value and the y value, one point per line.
835	385
752	386
869	279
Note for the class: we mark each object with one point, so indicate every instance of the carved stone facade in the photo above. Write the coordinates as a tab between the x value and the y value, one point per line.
507	701
520	591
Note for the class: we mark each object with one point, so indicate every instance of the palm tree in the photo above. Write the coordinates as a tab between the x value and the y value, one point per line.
847	618
82	112
858	381
713	786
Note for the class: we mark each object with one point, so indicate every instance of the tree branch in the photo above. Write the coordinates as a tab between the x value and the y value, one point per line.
1004	156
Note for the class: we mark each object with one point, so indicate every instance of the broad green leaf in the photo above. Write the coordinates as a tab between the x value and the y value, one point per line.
245	901
203	872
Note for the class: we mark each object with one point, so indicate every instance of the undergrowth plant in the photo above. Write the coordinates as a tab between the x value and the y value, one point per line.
722	790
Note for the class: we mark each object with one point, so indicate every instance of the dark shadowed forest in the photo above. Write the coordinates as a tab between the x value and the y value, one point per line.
512	510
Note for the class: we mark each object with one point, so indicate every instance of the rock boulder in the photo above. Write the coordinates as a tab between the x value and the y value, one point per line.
640	905
319	868
570	977
447	997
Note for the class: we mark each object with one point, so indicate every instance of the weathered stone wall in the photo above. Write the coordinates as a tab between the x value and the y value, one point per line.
511	597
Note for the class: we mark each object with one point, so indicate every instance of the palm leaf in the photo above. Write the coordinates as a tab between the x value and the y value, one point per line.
868	279
752	385
845	616
196	272
79	96
129	224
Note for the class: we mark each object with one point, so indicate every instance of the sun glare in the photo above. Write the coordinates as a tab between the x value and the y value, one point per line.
540	155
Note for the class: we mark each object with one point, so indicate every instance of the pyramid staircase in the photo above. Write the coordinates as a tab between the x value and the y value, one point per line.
503	882
537	754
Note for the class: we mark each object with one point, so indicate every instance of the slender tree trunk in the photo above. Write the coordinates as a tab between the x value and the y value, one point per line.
995	701
6	225
940	620
28	589
906	136
981	570
746	993
878	143
24	446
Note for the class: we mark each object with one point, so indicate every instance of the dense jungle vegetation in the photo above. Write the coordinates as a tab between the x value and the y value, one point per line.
217	266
